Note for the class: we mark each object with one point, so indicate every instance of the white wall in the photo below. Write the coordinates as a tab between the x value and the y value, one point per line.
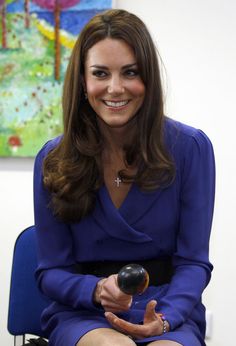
196	39
16	213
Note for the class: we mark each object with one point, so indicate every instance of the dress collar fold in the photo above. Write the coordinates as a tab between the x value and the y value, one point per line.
120	223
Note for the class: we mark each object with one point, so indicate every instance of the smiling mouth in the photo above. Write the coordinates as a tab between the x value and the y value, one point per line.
116	104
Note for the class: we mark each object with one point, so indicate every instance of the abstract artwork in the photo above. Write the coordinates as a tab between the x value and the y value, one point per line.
36	39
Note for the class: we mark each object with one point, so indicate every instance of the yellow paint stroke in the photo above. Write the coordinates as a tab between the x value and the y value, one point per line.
66	39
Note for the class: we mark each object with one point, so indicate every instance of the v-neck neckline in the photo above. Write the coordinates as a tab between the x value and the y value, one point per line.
124	200
134	206
112	220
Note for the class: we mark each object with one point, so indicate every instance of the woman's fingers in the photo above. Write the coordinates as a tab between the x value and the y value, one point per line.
152	325
114	321
135	330
150	313
111	297
110	303
121	325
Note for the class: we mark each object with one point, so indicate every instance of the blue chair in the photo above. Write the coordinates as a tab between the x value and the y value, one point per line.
26	302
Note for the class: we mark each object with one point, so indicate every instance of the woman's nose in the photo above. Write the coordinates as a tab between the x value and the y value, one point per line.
115	86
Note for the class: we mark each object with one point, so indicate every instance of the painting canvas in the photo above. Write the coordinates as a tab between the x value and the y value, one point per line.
36	39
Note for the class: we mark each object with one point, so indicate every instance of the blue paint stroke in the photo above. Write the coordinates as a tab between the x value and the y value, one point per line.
72	21
18	6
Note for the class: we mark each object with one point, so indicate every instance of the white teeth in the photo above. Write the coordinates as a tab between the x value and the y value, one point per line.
116	104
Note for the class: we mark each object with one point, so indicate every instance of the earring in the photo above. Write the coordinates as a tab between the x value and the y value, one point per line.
85	95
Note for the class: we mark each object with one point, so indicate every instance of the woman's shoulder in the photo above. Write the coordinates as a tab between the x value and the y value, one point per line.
178	134
185	142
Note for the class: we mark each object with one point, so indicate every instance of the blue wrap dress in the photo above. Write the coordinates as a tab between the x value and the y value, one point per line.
169	222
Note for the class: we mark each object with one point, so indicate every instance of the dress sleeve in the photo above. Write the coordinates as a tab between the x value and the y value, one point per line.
54	274
191	258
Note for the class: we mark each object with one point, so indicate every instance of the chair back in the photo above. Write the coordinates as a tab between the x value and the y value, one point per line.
26	302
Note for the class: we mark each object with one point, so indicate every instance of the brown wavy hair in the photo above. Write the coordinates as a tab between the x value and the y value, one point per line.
73	170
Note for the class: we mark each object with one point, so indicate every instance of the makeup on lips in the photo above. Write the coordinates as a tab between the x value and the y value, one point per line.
116	105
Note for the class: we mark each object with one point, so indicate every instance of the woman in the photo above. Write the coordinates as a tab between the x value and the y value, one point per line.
123	184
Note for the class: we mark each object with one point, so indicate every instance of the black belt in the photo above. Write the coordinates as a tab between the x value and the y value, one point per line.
160	270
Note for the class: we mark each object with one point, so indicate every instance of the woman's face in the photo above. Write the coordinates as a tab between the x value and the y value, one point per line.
112	82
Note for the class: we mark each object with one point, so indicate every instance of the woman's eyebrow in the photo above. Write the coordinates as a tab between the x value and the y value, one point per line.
129	65
104	67
100	66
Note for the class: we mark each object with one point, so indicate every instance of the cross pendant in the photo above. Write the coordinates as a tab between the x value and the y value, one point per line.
118	181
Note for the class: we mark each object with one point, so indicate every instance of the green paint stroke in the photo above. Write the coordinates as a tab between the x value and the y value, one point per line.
30	98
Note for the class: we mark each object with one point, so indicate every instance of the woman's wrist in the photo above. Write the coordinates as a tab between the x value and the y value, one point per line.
165	324
97	291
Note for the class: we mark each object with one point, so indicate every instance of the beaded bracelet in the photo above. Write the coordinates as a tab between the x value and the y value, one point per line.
164	324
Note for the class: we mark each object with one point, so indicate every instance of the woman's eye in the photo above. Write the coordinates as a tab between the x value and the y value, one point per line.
99	73
131	73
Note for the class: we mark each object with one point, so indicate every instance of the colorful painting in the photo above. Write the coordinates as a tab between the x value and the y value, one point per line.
36	38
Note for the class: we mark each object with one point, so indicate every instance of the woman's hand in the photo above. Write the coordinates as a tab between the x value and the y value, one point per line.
108	294
152	323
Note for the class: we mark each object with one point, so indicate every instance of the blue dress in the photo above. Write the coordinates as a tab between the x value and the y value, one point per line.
173	221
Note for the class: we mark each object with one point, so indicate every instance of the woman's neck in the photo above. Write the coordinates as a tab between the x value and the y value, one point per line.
116	139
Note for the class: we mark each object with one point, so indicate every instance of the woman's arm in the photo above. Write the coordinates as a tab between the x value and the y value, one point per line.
191	258
55	275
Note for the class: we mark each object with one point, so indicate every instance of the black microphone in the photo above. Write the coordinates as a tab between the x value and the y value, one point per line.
133	279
